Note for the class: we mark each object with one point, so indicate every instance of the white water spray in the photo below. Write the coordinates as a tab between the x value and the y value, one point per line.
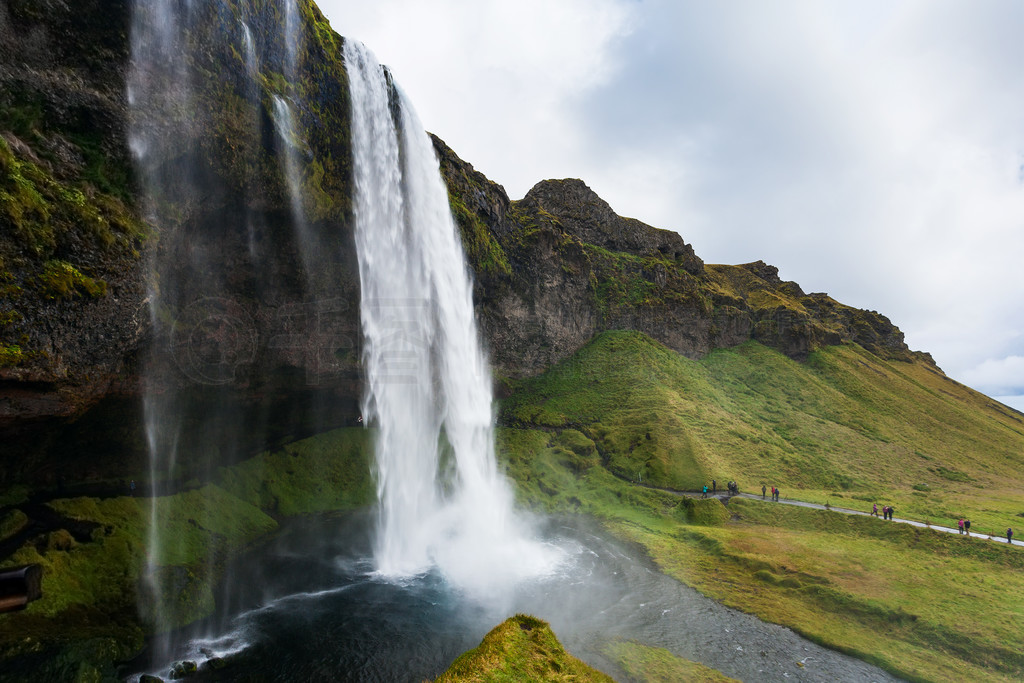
443	502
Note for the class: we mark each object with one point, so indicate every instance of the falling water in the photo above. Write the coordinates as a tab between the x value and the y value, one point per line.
159	89
252	60
252	92
428	387
196	420
284	123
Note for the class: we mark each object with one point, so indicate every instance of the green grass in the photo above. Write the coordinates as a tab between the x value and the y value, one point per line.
845	427
657	665
923	604
522	648
843	424
326	472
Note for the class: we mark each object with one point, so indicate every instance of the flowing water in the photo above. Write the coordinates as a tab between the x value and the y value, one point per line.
442	500
331	617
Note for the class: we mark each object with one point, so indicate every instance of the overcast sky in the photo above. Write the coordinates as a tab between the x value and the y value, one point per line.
871	150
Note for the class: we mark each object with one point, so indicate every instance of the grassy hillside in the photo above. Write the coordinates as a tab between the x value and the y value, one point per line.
845	427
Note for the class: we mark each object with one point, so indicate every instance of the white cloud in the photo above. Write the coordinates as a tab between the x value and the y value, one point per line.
494	79
1015	402
1002	376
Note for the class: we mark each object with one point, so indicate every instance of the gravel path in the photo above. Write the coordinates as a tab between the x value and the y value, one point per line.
851	511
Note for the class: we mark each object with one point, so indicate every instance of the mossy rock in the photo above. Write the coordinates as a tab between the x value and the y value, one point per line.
522	648
11	523
703	511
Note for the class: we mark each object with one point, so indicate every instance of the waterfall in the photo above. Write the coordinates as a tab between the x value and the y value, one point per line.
428	392
284	123
227	196
252	60
159	90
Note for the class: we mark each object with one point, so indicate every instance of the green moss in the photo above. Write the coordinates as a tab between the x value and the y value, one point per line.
198	530
11	522
522	648
481	247
12	356
43	211
61	280
22	204
330	471
58	238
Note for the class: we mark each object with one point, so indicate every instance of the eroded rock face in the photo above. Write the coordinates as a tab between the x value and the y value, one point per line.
72	288
581	213
571	268
242	321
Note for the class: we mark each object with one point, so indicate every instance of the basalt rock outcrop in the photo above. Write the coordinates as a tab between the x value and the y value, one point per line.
71	282
559	266
254	329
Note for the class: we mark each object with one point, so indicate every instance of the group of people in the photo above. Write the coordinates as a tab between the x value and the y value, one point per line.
964	527
734	488
964	524
887	511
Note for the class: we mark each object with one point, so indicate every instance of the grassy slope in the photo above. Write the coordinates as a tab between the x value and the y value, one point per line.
844	426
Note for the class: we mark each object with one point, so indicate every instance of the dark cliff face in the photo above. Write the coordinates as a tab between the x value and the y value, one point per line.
579	212
559	266
240	318
71	283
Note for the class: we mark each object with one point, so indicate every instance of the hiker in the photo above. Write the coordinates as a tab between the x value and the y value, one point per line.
967	527
874	509
131	488
763	490
960	525
714	486
891	510
704	494
1009	535
777	494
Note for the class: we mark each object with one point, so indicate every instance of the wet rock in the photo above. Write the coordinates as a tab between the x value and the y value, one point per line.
183	669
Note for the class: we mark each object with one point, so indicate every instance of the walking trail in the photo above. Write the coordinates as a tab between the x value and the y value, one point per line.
850	511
